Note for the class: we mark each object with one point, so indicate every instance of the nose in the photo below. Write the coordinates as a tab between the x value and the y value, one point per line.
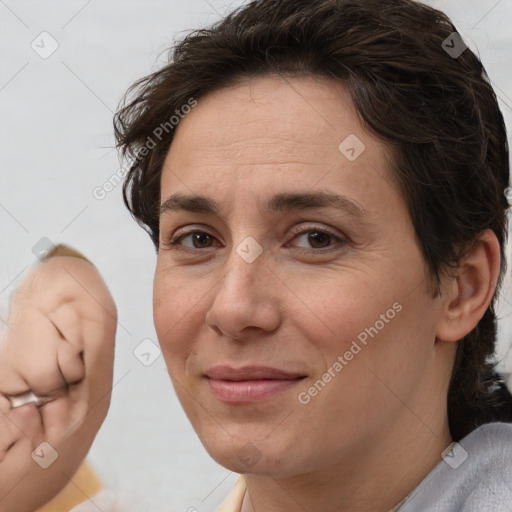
246	300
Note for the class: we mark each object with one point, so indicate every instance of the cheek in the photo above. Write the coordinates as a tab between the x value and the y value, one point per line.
334	312
375	325
178	314
385	355
368	371
167	313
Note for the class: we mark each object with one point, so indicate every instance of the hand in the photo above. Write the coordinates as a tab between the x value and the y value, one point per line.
59	343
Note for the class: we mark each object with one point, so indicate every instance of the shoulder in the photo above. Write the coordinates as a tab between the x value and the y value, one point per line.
474	475
493	440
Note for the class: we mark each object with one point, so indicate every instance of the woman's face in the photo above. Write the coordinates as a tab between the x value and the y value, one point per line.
300	258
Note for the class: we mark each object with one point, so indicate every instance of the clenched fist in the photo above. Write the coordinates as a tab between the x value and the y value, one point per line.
59	345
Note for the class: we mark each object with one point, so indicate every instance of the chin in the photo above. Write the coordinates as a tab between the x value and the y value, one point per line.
248	460
243	455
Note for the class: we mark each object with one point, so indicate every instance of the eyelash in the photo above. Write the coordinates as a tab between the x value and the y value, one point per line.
171	242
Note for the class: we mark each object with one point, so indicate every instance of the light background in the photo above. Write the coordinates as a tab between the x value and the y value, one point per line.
57	147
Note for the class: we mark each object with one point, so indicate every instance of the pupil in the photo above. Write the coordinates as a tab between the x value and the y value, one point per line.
202	238
317	238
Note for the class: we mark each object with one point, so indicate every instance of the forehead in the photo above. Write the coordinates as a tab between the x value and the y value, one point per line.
286	116
275	132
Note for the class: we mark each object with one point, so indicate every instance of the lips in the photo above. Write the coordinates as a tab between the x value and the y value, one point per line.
249	384
250	373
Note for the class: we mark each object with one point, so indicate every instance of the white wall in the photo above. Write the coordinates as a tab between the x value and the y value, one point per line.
57	146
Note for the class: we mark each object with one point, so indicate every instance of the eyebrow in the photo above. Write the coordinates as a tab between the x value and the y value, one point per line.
282	202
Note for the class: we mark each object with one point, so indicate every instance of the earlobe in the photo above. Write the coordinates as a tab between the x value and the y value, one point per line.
471	291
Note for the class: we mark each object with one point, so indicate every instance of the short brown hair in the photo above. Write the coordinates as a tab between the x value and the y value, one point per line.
438	114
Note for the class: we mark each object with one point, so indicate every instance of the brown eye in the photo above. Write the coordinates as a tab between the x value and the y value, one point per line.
192	240
318	239
315	238
201	240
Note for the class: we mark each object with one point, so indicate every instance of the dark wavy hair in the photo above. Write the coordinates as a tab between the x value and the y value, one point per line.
436	111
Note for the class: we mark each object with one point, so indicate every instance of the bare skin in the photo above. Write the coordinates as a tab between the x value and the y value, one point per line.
378	426
59	342
374	431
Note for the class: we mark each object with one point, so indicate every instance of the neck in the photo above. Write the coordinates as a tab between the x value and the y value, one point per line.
377	481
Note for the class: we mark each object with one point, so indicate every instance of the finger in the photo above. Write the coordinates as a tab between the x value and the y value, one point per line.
70	362
22	424
11	382
99	358
35	344
24	485
67	321
69	325
64	416
25	423
8	436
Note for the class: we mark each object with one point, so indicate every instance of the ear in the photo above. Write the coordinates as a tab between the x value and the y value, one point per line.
470	292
